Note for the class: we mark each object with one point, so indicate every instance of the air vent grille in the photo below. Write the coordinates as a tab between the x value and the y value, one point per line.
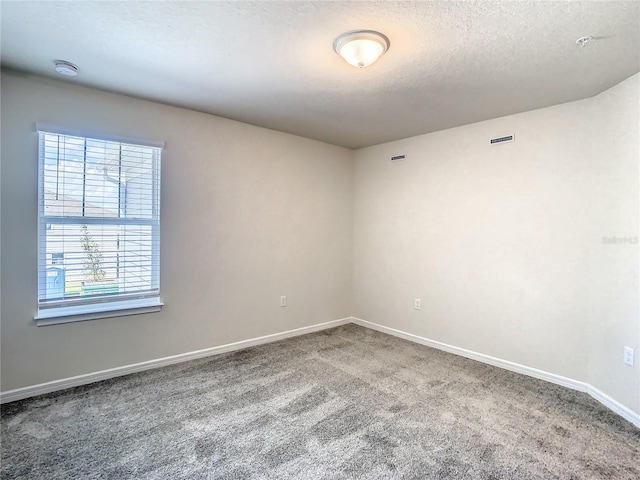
507	138
397	158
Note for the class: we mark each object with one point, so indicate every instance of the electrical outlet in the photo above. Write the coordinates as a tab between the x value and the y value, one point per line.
283	301
628	356
417	303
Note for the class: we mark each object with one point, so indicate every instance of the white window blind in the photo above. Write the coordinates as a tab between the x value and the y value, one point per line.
99	221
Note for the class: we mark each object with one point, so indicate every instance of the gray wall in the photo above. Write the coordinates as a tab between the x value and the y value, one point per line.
248	215
504	244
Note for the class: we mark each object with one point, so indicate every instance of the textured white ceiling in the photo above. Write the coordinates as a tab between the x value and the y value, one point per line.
272	63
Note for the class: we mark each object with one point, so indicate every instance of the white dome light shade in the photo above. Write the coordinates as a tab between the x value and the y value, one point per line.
361	48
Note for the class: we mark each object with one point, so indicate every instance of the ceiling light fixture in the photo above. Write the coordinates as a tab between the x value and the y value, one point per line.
582	41
362	47
66	68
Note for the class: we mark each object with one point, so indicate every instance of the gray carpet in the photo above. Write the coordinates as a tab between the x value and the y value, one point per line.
343	403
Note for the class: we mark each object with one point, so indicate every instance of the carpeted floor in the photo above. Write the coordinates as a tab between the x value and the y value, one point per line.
344	403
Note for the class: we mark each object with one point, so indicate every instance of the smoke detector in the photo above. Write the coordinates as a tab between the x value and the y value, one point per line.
67	69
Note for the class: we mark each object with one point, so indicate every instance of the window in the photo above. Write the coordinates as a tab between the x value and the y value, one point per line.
99	228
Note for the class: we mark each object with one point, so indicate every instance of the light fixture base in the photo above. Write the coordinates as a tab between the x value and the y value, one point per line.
582	41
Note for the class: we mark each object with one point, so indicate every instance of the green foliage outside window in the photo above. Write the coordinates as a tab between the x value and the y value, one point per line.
93	261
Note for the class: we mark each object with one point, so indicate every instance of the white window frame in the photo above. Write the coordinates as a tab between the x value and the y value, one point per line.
64	311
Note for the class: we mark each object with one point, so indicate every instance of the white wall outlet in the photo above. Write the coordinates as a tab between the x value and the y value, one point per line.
628	356
283	301
417	303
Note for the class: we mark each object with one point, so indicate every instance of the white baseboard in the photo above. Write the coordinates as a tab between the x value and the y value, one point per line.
48	387
607	401
614	405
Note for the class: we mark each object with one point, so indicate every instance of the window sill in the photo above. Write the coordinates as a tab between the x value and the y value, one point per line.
80	313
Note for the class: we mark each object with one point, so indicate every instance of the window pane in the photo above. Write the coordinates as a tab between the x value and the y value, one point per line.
94	178
84	260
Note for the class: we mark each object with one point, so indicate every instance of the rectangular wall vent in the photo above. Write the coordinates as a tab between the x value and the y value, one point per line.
397	158
508	138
